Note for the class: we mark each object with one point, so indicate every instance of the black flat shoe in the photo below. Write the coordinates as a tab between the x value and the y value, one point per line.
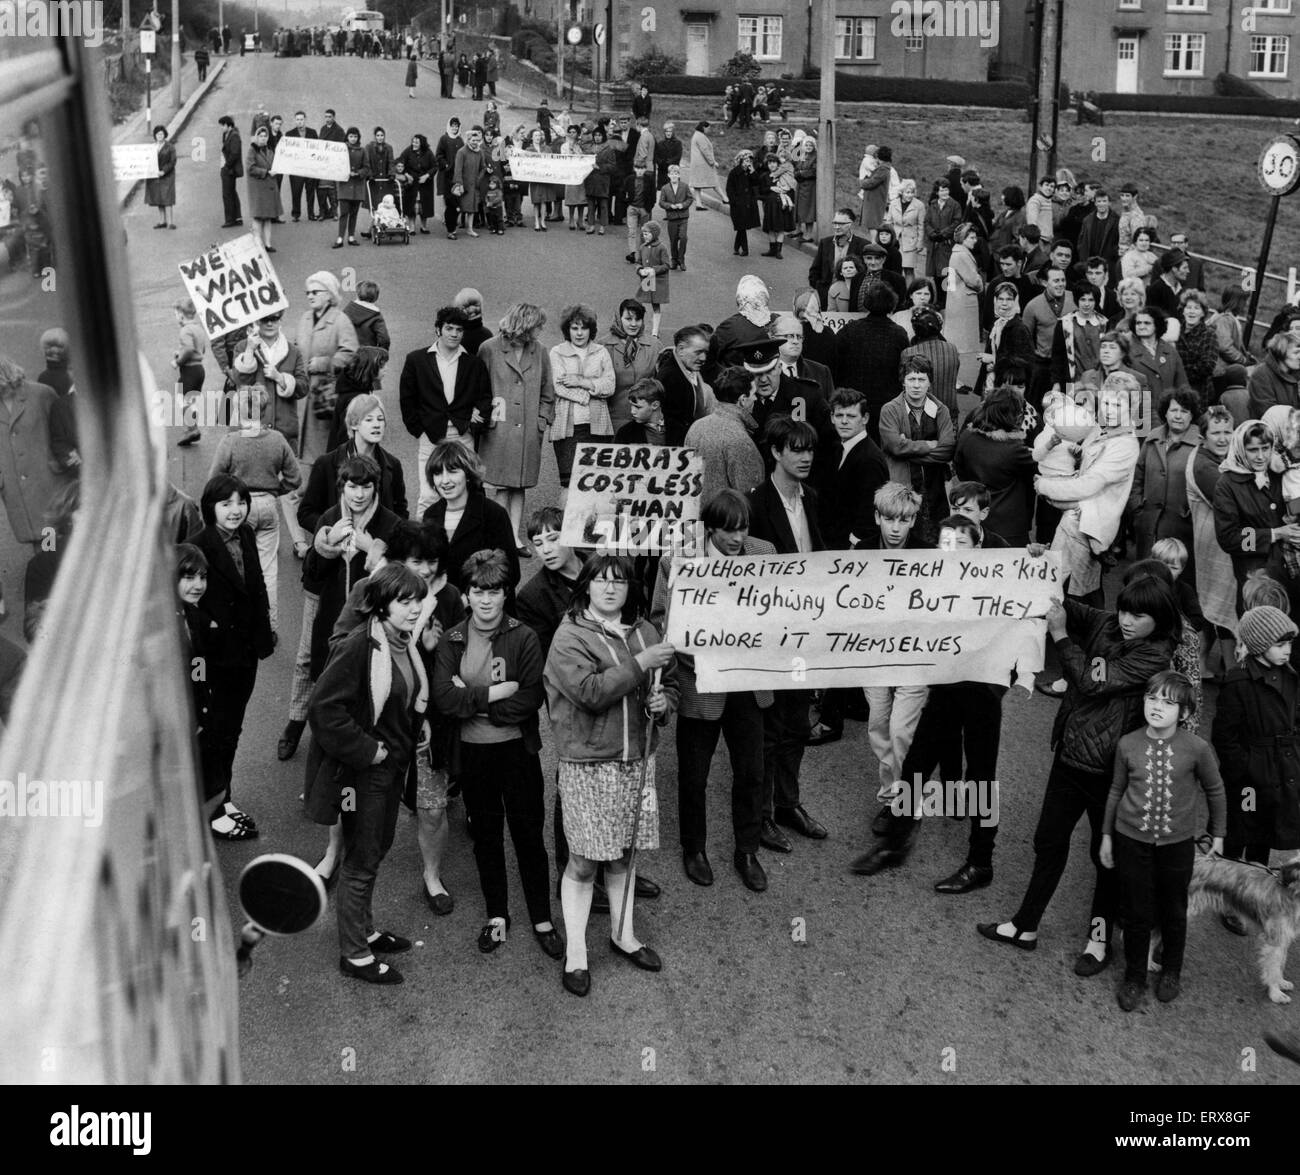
771	837
883	821
1086	965
642	957
801	822
577	982
389	943
1168	986
751	871
990	931
372	972
821	734
698	868
489	938
550	942
289	740
646	889
441	904
967	878
876	859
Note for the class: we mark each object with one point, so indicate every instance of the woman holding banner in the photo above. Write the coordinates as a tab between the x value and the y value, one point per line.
584	382
610	683
541	196
160	193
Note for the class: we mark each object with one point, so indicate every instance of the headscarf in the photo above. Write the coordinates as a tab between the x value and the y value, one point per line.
1237	462
753	299
323	277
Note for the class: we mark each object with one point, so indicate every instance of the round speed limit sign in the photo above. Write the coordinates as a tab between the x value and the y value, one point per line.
1279	165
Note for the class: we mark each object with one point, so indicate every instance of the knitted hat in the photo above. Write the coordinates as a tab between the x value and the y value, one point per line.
331	284
1261	628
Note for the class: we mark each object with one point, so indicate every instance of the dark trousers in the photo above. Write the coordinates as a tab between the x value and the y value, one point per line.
785	731
1070	794
297	184
348	210
741	244
1153	881
203	73
450	211
962	718
230	196
326	201
230	688
741	725
677	239
502	783
367	836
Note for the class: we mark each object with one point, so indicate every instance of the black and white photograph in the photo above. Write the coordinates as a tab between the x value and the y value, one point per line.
828	615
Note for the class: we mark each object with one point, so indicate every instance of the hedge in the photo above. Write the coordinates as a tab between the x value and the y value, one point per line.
856	88
1199	104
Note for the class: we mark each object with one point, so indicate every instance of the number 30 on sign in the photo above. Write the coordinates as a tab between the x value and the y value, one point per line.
1279	165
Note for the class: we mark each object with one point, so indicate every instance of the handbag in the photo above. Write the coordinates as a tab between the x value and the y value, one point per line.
323	400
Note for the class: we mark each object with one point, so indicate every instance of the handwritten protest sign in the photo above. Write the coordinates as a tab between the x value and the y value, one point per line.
321	159
635	499
533	167
135	161
838	618
838	319
233	284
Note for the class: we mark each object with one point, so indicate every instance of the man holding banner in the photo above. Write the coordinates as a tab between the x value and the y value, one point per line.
297	183
784	513
702	717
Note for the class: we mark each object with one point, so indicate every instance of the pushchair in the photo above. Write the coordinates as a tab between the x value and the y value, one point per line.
385	227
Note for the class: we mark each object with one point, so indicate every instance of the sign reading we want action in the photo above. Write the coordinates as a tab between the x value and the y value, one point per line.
849	618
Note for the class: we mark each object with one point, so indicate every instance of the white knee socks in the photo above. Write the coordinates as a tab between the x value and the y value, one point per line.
575	904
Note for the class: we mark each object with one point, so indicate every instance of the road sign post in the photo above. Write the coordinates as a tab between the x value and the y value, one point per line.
148	46
574	37
1279	175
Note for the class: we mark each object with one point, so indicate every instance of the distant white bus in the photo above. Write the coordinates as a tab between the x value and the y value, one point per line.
362	20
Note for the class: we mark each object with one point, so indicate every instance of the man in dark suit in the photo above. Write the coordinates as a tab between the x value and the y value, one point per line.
300	130
427	411
1195	278
702	717
1099	233
232	167
330	130
783	512
686	396
843	242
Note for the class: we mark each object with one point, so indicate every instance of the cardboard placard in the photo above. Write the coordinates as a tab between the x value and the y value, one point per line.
849	618
135	161
321	159
233	284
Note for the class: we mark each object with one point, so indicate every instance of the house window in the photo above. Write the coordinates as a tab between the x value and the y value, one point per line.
855	38
913	44
1128	49
1184	54
761	37
1188	6
1272	5
1131	4
1268	56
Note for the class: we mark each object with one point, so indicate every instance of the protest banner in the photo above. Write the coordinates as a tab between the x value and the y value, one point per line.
135	161
532	167
321	159
635	499
233	284
837	319
849	618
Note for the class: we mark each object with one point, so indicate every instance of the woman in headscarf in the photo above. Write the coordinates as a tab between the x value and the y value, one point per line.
635	355
1009	337
263	194
523	406
327	340
743	200
1216	586
1094	497
1249	508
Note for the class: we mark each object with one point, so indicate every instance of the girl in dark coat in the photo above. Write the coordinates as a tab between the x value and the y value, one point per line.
238	617
191	583
352	191
991	450
1108	658
1257	740
160	193
743	200
469	520
366	714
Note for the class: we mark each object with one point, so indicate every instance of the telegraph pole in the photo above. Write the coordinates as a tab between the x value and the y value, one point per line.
826	124
1048	23
176	54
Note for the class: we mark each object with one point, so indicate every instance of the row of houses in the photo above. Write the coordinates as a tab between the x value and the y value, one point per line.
1128	46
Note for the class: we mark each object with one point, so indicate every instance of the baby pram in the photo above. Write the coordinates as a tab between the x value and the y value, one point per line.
380	231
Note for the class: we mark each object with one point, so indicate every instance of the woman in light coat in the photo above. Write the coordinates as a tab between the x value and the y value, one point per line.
907	215
584	382
805	196
634	353
523	406
964	284
704	167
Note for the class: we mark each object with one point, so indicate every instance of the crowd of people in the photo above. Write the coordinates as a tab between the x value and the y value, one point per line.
1118	423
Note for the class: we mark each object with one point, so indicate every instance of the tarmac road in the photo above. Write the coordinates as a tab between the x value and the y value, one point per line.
826	977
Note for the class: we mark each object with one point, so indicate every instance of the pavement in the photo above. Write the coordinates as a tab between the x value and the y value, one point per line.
827	977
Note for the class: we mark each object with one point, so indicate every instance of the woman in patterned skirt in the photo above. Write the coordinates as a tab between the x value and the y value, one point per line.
606	700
